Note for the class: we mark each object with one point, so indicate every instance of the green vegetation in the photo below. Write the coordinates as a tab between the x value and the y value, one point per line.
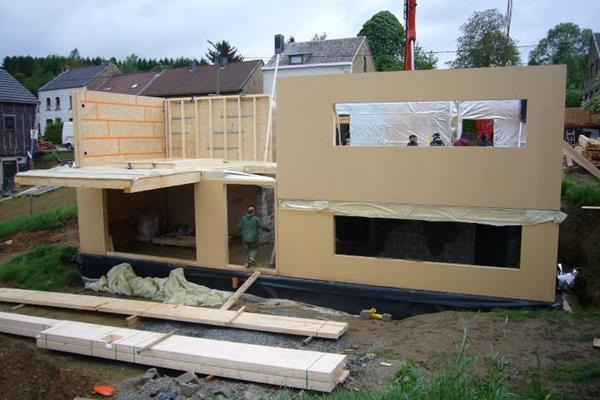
47	267
548	314
53	132
41	221
50	160
579	193
578	372
456	378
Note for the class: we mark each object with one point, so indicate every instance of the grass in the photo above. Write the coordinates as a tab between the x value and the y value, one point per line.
578	192
578	372
47	267
456	379
43	220
549	314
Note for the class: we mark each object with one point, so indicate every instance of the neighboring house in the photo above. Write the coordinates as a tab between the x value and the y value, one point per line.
319	57
17	119
593	65
203	80
55	96
130	83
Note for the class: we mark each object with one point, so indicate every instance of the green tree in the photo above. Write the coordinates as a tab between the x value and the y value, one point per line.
53	132
316	37
593	104
484	42
223	49
129	65
74	54
386	41
567	44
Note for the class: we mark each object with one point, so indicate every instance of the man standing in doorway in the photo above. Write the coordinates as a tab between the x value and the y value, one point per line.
249	226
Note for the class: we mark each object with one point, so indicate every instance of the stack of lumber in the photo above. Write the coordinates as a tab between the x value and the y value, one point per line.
177	312
590	150
311	370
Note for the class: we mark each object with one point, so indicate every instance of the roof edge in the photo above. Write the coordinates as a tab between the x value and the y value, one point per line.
308	65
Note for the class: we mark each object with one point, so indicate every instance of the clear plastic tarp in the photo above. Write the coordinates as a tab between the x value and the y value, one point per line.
477	215
390	124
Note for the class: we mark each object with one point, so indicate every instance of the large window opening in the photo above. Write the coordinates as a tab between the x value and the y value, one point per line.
476	123
446	242
157	222
262	199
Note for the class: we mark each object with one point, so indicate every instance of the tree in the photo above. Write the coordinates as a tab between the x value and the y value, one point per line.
568	44
593	104
53	132
291	39
484	42
223	49
316	37
386	41
129	65
74	54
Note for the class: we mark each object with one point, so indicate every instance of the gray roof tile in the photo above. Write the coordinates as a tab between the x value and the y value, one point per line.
11	91
321	51
74	78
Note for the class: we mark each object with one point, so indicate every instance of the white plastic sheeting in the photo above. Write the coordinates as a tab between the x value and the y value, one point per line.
477	215
121	279
390	124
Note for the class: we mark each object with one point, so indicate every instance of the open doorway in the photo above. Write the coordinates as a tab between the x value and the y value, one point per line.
158	222
239	198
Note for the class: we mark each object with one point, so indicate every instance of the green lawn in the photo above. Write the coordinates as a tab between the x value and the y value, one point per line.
43	220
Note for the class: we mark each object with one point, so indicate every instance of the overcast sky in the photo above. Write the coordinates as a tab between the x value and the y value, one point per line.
160	28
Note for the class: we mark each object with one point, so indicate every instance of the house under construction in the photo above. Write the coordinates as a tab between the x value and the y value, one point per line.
358	218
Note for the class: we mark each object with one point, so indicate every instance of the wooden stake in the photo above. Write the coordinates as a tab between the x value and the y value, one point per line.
231	301
239	119
182	129
210	129
255	144
156	341
237	314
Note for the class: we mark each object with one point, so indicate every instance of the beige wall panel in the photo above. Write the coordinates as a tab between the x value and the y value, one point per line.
100	147
211	224
91	211
95	128
120	112
104	160
305	244
150	101
88	111
130	129
128	146
311	167
158	128
106	97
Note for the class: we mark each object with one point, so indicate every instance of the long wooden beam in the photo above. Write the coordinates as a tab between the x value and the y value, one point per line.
241	290
177	312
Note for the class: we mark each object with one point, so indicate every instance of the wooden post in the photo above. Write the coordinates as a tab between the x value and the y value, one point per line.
182	129
225	144
169	138
255	143
239	119
210	129
196	123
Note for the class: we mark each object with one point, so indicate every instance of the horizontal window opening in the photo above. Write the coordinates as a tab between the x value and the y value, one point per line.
446	242
474	123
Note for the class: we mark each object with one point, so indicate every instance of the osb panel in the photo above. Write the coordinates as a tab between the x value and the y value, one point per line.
211	224
311	167
110	127
299	231
205	130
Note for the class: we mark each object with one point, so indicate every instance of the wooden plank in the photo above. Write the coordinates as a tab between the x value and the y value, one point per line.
169	130
241	290
201	315
254	140
158	182
239	123
580	159
179	240
237	314
156	341
225	134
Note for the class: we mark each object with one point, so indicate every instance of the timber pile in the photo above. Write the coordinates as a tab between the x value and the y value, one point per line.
276	366
591	150
178	312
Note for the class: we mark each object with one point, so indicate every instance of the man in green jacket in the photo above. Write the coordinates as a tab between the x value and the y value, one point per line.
249	226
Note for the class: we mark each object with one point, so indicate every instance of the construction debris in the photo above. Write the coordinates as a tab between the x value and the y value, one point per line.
373	314
590	150
264	364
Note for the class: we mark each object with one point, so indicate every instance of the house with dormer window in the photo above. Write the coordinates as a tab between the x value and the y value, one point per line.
318	57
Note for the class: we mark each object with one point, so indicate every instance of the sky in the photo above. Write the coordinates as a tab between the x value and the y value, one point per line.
174	28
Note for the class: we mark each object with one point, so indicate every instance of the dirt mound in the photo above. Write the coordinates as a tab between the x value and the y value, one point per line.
27	376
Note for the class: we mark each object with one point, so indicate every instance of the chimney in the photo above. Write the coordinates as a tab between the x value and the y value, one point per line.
279	43
192	65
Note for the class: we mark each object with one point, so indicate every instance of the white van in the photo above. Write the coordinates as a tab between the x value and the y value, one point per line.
67	135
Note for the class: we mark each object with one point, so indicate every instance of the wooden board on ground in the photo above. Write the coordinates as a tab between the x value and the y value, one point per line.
277	366
241	290
176	312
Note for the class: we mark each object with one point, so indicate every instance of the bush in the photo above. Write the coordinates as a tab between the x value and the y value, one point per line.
53	132
574	193
49	219
47	267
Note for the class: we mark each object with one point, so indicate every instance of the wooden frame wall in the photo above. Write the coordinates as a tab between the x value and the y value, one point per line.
224	127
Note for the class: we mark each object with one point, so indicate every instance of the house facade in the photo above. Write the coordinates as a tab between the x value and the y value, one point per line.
17	119
319	57
56	101
593	66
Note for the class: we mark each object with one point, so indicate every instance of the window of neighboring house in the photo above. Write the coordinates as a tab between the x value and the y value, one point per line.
57	101
48	103
70	102
49	122
58	120
70	119
9	123
296	59
364	63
